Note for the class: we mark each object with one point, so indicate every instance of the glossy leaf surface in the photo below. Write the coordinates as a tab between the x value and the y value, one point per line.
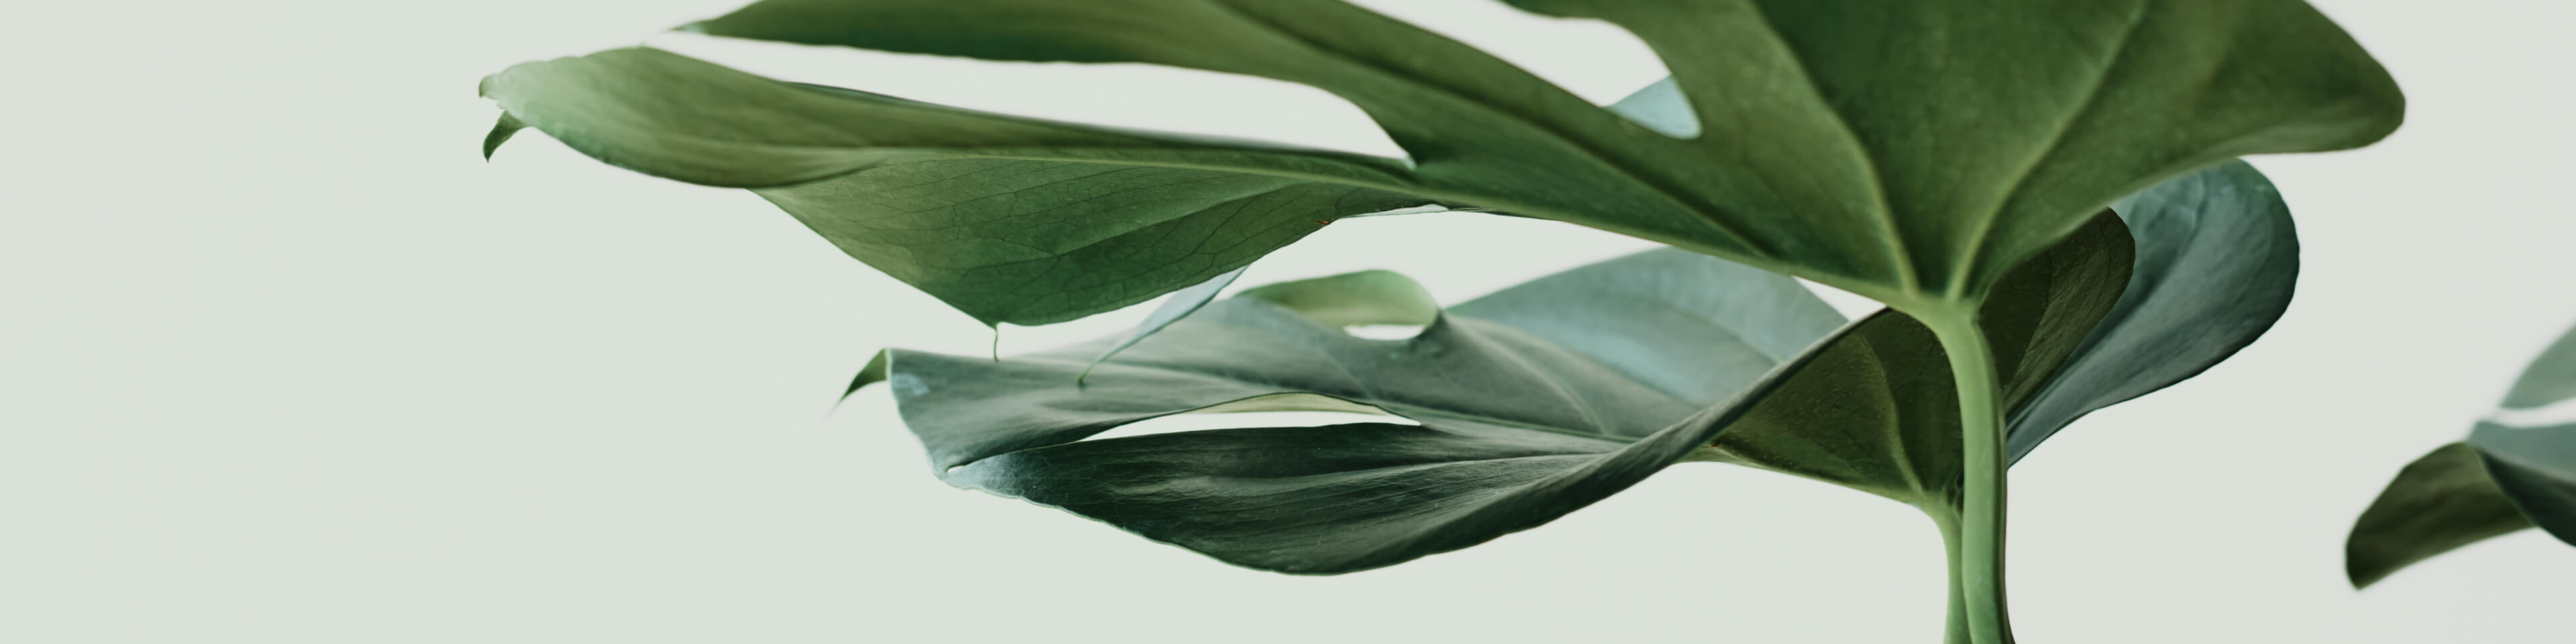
1533	383
1909	153
1516	431
2502	479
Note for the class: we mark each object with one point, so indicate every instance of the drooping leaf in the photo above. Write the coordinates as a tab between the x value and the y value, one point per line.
1541	378
1909	153
1515	429
1007	219
2502	479
2440	502
2218	258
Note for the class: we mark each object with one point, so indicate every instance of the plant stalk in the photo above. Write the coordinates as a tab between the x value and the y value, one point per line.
1977	565
1956	626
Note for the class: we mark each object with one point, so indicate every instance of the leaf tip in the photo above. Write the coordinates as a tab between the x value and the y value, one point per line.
501	132
2357	568
876	371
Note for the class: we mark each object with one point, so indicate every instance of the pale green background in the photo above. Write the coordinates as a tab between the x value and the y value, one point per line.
284	361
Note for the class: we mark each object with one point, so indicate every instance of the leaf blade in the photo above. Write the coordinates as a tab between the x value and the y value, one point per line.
2440	502
1007	219
2217	264
2526	471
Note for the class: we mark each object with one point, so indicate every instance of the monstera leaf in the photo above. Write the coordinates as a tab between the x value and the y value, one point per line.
2503	479
1539	399
1909	152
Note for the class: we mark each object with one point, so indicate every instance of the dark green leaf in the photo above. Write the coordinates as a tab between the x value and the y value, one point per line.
1987	130
1008	219
2442	501
2464	492
1905	153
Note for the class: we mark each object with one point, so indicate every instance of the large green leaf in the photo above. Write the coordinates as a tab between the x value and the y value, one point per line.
2502	479
1515	429
1542	381
1907	152
1007	219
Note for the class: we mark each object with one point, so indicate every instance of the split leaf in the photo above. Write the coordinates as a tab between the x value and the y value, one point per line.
1541	398
1909	153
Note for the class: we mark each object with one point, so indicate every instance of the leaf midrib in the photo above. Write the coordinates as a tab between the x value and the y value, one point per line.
1976	241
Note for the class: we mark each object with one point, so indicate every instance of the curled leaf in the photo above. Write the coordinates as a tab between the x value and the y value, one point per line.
2502	479
1541	398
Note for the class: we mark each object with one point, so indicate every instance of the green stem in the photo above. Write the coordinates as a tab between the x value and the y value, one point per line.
1957	624
1979	551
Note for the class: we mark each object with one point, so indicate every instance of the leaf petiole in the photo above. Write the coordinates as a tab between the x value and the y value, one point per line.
1976	540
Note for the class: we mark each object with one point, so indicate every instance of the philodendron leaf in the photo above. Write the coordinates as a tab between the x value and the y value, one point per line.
1535	400
2502	479
1007	219
1907	152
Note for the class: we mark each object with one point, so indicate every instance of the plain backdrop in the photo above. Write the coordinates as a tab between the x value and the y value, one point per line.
283	360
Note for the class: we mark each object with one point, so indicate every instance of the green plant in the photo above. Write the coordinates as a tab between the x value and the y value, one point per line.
1539	399
2506	477
1914	153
